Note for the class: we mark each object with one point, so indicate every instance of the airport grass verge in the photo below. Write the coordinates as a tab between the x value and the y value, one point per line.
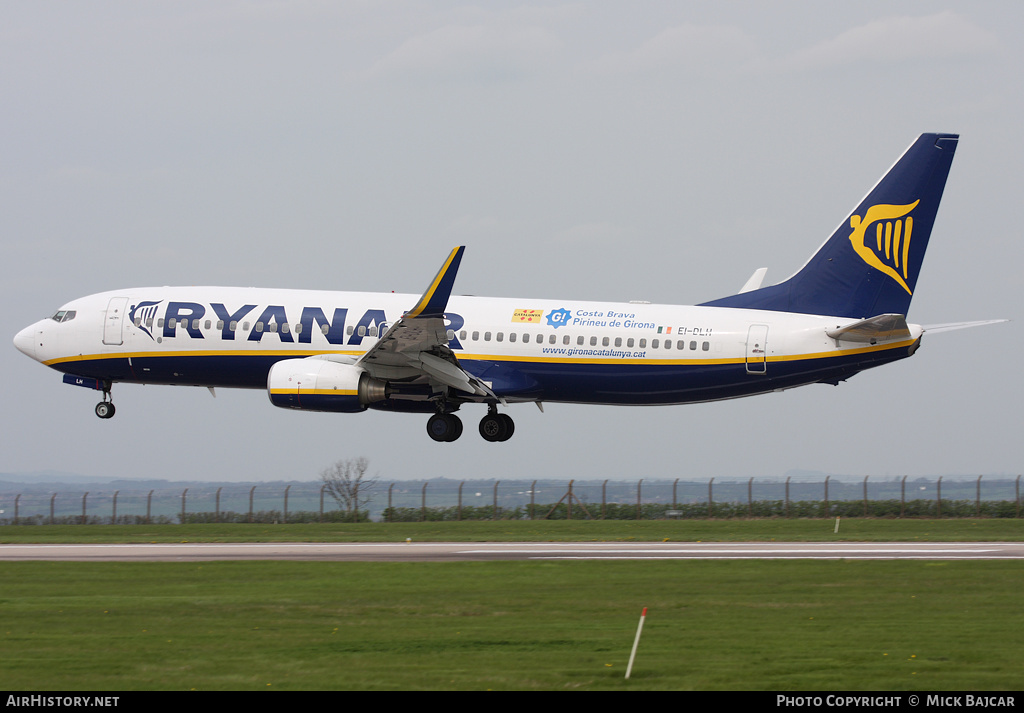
725	625
764	529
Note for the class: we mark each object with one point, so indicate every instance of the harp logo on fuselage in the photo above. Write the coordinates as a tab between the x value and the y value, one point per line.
887	247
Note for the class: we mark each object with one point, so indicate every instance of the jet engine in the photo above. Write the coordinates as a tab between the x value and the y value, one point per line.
314	384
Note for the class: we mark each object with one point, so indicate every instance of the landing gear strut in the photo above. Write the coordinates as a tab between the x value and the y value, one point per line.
105	408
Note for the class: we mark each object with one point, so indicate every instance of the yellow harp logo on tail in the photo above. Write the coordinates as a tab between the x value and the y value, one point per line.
891	239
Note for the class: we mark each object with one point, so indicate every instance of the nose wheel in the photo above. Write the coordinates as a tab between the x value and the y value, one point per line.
105	408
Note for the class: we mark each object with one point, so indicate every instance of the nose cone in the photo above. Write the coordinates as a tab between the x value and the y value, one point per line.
25	341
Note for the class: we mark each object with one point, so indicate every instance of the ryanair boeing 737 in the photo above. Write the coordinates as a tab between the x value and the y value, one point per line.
844	311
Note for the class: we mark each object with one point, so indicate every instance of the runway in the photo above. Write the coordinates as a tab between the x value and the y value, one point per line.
475	551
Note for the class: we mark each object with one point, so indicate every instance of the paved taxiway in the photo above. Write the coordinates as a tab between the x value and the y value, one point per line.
475	551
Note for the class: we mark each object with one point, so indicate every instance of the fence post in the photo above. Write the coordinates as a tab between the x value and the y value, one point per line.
84	496
149	508
17	502
113	518
977	502
866	495
533	493
251	491
423	502
675	500
1018	498
787	496
183	505
459	512
750	498
709	497
639	486
903	496
390	511
216	506
284	518
322	488
938	497
604	497
52	497
826	494
494	515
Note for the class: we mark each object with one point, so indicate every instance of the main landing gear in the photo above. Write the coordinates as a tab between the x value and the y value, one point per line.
494	427
105	408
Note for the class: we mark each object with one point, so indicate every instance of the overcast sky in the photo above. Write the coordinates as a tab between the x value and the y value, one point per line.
591	150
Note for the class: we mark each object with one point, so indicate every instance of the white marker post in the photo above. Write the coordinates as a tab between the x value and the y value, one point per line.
836	531
636	641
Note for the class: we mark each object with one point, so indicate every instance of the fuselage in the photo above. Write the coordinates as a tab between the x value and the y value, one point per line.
523	349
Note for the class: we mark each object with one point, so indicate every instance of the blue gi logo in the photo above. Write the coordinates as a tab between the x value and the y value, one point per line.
558	317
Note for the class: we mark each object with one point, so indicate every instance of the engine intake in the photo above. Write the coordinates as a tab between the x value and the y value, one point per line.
320	385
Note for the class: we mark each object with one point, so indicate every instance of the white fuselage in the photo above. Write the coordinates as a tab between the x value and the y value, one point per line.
525	349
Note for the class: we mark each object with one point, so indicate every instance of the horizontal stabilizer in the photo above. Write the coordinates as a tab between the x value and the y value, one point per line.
754	283
949	327
883	328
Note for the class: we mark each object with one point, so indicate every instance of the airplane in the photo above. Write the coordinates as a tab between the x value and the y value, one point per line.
843	312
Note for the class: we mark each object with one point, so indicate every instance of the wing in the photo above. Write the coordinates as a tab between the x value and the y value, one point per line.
416	346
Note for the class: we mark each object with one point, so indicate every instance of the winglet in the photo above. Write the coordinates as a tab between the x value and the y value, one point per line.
435	299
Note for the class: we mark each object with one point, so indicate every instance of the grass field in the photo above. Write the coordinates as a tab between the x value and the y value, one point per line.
802	530
725	625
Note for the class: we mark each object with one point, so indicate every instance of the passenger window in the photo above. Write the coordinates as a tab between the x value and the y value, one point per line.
233	326
629	342
605	342
362	330
593	341
325	328
450	334
552	338
643	343
500	337
693	346
680	345
668	343
259	327
579	341
487	336
526	338
348	331
207	324
618	341
220	324
272	327
705	346
512	336
245	326
565	339
372	331
476	336
462	335
160	323
297	328
655	343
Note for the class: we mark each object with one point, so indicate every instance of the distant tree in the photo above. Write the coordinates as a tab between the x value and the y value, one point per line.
348	483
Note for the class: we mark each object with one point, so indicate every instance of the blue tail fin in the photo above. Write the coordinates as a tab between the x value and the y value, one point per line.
870	264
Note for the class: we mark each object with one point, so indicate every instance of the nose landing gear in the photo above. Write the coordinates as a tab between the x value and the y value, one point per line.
105	408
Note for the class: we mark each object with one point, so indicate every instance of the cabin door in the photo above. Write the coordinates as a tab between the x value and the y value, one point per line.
113	323
757	349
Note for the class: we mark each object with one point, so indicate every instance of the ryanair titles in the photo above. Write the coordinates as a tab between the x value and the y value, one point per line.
254	322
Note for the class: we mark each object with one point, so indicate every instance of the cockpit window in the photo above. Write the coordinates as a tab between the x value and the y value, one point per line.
64	315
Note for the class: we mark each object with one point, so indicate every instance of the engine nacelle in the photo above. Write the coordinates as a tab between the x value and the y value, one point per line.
320	385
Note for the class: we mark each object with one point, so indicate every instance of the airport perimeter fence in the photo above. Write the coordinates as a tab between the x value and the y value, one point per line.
449	500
